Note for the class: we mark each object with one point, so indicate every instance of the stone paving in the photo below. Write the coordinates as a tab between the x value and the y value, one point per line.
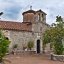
31	59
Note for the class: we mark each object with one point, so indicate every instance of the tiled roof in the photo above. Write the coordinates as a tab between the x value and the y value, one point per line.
9	25
41	11
29	11
32	11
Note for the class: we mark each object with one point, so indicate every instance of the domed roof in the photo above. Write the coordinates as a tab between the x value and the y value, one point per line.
29	11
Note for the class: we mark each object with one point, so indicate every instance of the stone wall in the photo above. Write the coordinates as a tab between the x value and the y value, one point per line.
28	17
22	38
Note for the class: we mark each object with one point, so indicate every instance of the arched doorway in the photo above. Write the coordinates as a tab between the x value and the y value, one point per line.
38	46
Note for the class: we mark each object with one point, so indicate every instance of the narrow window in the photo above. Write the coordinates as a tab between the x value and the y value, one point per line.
42	17
39	17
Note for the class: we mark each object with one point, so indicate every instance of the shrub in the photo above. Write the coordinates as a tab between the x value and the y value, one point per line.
4	44
58	48
30	45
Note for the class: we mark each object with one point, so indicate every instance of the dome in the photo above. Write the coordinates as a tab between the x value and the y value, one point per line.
29	11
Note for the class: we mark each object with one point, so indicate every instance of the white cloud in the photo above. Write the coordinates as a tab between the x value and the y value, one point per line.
51	7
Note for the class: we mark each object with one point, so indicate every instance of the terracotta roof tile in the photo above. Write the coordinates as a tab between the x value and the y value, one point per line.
29	11
41	11
32	11
9	25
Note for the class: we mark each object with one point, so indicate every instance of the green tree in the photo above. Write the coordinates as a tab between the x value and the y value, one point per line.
30	45
4	44
55	35
46	39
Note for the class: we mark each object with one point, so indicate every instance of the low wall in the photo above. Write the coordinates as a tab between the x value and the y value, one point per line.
57	57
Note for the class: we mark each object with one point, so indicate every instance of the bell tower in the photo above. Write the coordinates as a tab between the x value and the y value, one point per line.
40	16
34	16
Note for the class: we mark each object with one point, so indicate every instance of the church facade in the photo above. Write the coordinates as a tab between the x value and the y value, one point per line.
31	29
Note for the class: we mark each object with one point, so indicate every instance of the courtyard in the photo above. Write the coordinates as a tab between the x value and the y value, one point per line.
30	59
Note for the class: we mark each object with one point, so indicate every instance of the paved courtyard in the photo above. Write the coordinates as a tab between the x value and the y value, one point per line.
31	59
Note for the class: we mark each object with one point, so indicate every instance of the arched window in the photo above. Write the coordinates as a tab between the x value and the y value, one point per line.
42	18
39	17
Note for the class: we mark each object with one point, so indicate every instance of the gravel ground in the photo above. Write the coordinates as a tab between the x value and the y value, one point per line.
30	59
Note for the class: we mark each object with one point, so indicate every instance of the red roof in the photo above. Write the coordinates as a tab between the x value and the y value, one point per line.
9	25
32	11
41	11
29	11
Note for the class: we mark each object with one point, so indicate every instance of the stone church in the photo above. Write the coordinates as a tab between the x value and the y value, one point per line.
31	29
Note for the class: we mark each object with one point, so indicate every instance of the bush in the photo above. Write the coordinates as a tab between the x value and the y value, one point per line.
58	48
4	44
30	45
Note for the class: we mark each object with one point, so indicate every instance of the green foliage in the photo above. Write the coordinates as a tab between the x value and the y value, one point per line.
55	35
4	44
59	19
46	37
30	45
58	48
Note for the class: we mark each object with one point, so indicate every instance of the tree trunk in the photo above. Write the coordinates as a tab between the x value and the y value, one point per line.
30	49
44	48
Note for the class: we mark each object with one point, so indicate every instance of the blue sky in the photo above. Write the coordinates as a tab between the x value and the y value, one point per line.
13	8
